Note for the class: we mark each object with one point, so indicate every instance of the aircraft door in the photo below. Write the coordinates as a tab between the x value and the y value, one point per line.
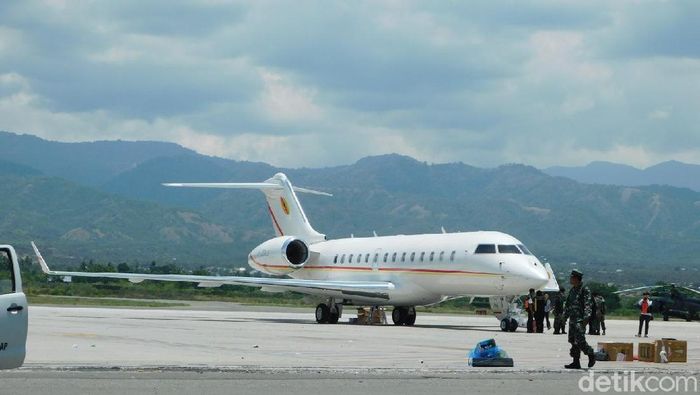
13	311
505	272
376	258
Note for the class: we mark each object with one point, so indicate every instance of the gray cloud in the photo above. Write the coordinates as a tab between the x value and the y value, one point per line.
317	83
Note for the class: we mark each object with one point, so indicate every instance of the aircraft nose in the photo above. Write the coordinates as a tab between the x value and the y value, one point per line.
537	274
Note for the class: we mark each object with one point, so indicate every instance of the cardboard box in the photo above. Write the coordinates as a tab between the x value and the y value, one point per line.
676	350
647	352
363	317
613	349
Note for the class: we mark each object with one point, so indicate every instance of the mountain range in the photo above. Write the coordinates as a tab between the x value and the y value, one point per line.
105	201
673	173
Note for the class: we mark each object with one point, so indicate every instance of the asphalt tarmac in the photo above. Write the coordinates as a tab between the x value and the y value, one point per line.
174	351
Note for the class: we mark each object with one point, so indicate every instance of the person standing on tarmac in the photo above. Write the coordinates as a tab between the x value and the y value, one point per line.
547	309
539	311
559	320
530	308
645	316
600	311
592	323
578	310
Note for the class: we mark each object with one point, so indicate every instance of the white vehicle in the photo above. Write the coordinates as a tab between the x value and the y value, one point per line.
13	311
403	271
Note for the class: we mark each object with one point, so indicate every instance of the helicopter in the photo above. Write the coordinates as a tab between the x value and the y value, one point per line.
671	301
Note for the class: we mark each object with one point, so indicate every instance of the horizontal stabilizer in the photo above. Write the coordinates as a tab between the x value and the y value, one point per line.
242	185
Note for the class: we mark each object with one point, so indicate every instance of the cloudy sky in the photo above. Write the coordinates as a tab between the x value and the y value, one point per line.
299	83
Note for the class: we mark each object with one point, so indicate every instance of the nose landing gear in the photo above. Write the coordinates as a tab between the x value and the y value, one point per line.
509	324
509	311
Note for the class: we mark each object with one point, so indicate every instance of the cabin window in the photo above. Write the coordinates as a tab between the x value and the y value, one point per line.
485	249
442	255
432	255
376	257
350	258
452	256
413	256
524	249
422	256
403	257
342	258
393	257
335	260
367	258
508	249
386	256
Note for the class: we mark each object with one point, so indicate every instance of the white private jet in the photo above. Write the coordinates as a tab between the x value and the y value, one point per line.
403	271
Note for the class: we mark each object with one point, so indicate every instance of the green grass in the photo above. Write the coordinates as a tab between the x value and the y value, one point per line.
78	301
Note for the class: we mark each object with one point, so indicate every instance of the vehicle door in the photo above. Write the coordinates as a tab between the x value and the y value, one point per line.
13	311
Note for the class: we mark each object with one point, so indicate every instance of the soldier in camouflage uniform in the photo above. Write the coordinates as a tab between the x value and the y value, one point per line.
559	320
578	310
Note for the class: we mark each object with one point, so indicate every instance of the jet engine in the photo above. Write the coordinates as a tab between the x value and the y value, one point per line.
281	255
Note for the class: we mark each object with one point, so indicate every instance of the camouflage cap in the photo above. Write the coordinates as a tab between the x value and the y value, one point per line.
576	273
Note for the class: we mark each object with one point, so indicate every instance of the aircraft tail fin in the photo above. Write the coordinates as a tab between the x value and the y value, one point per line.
288	217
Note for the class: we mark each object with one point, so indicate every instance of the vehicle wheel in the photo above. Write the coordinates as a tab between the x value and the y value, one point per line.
505	325
399	315
410	317
513	325
322	313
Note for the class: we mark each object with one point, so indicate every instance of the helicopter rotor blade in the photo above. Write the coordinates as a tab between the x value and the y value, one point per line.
646	287
691	290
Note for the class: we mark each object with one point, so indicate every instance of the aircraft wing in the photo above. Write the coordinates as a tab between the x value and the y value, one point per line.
340	289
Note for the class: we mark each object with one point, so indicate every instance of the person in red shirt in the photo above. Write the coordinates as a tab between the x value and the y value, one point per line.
644	314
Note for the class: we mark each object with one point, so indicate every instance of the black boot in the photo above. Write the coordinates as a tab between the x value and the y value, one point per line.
576	364
591	360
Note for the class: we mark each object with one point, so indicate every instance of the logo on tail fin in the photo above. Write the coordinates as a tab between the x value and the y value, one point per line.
285	206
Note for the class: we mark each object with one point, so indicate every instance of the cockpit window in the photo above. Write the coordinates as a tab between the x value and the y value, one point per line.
485	249
524	249
508	249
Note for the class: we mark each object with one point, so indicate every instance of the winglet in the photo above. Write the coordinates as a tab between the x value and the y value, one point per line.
42	262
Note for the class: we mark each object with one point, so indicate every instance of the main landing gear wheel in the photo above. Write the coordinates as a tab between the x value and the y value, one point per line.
411	318
323	314
328	315
334	315
404	316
